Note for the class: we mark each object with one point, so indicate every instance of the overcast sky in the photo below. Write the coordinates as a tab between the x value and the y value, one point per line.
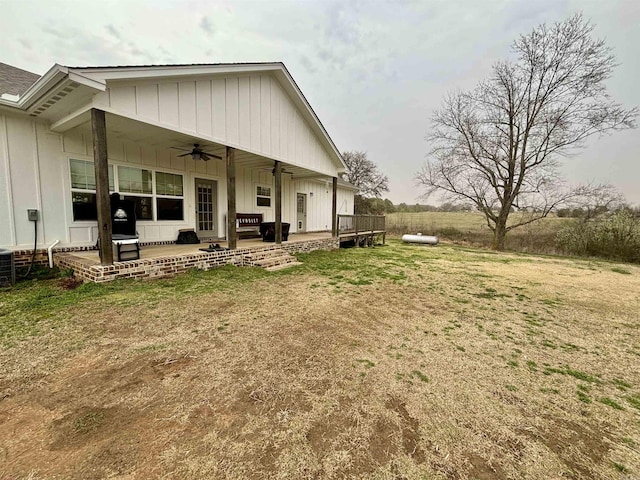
374	71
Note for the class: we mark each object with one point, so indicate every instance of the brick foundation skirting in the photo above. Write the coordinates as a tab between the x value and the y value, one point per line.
22	258
172	265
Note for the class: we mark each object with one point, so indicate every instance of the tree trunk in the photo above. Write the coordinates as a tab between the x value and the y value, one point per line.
499	234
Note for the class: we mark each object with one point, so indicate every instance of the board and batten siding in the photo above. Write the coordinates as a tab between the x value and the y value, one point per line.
250	112
345	202
318	193
34	173
30	178
123	152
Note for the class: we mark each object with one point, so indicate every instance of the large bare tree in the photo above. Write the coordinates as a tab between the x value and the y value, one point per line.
364	174
499	146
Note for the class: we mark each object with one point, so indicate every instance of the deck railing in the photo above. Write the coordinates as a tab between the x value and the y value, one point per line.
348	224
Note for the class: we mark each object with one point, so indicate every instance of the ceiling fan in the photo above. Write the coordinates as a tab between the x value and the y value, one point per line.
197	153
273	170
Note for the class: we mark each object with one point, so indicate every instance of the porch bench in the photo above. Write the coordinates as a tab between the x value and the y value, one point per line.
248	224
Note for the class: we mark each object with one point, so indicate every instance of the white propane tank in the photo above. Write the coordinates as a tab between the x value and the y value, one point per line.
419	238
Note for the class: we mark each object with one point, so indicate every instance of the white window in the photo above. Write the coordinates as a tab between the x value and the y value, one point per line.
165	202
83	189
136	185
169	196
263	196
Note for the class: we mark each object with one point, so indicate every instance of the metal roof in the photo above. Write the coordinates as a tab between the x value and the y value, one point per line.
170	65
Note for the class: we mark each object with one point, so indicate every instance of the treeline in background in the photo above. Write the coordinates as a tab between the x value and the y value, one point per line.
604	233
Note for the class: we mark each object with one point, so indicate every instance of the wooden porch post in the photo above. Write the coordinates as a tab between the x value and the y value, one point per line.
232	237
278	175
334	208
100	163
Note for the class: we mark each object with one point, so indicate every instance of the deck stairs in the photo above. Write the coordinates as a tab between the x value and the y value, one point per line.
271	260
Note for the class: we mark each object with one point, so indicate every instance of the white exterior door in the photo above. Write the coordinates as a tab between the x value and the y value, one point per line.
206	207
301	217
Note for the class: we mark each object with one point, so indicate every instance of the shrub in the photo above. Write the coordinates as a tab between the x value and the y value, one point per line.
615	237
451	233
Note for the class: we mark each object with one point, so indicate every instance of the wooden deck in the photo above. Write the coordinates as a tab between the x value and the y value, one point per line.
363	229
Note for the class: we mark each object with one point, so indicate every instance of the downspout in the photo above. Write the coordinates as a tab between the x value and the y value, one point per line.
50	252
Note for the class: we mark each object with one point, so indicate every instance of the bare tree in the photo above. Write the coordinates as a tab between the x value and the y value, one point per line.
364	174
593	201
499	146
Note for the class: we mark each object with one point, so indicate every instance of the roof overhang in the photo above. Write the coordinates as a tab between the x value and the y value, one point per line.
347	185
124	129
58	90
64	95
9	106
104	75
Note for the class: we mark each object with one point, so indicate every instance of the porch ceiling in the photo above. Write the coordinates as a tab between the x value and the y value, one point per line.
126	129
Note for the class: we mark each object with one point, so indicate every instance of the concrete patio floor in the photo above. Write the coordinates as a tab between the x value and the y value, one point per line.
149	252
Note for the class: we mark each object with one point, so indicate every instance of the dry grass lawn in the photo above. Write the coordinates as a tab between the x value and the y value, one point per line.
399	362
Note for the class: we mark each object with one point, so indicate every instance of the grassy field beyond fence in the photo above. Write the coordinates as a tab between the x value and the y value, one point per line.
471	228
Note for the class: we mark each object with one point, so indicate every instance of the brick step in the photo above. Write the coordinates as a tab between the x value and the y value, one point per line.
282	266
266	254
271	261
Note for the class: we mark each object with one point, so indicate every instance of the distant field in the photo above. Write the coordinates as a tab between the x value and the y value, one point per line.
471	228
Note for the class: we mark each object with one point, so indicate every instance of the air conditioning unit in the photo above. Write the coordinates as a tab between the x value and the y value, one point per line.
7	267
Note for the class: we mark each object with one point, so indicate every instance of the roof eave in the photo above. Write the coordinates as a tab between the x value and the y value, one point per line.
155	71
52	80
9	105
54	76
332	145
103	74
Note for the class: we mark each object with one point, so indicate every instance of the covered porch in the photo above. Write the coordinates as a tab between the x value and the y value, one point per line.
191	146
166	260
169	259
230	174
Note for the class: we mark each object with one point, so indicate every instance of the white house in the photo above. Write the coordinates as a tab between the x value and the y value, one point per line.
262	134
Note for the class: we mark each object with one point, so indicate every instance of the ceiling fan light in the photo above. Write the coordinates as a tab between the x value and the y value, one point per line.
196	155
